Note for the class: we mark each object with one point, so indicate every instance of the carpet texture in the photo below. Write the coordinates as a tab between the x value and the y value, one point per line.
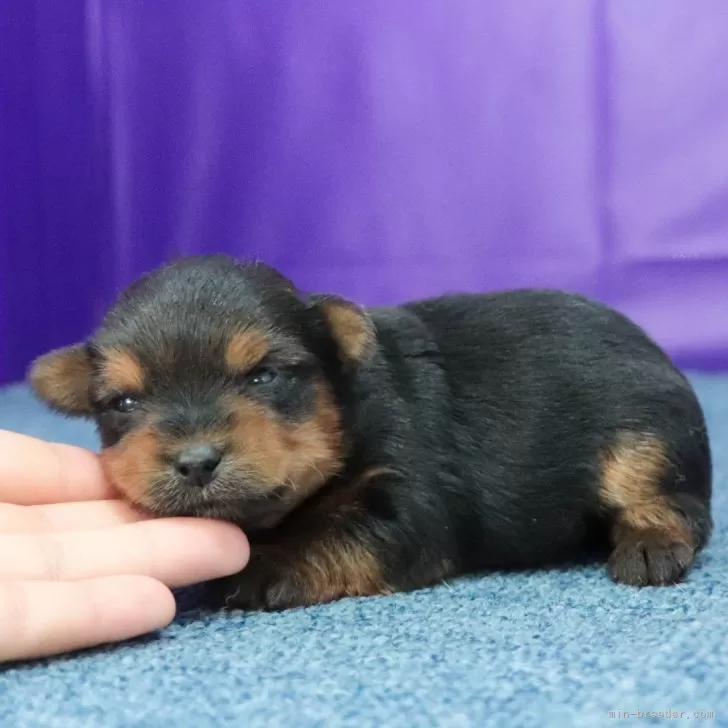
563	647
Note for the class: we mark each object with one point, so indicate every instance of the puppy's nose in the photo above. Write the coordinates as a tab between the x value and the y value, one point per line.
197	463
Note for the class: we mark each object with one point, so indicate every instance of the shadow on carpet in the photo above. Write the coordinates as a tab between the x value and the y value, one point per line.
553	648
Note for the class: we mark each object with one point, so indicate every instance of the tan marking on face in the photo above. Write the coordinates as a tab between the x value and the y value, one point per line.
245	350
61	378
121	371
301	455
132	464
631	474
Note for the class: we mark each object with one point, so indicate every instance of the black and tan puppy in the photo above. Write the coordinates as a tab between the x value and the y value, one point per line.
373	451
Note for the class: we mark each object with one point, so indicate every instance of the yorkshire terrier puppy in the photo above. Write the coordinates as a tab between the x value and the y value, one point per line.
367	452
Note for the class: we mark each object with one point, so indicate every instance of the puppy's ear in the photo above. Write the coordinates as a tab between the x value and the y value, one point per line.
351	326
62	379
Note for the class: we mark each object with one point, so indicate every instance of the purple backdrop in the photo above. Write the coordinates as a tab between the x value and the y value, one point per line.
383	150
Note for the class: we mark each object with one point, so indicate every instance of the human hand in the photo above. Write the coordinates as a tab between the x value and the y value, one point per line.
80	568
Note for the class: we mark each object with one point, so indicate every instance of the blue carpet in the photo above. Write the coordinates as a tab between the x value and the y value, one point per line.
564	647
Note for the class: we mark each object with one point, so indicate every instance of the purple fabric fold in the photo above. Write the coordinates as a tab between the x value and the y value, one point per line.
384	150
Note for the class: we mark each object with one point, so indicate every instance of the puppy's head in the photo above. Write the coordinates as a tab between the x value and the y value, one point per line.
214	388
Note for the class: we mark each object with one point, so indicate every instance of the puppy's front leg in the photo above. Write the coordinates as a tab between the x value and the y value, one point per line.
313	571
351	542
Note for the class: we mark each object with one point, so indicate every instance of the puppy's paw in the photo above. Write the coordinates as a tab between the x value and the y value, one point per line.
264	585
649	558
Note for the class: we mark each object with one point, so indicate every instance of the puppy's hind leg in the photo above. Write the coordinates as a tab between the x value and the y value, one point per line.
659	519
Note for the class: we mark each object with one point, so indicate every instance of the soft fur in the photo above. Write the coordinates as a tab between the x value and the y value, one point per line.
373	451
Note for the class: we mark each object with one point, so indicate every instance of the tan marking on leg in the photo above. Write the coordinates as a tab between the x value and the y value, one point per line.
302	456
653	544
341	568
631	474
324	570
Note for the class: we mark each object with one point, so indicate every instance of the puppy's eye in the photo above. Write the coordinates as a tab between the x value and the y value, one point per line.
124	404
262	375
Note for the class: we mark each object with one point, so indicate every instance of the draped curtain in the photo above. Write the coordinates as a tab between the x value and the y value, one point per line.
383	150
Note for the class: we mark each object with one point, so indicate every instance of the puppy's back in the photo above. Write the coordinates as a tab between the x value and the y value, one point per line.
542	387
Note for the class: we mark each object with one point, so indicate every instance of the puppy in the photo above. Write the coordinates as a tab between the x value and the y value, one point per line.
368	452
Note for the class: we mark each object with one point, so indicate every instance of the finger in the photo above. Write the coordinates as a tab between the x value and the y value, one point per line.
176	551
33	472
84	516
40	618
